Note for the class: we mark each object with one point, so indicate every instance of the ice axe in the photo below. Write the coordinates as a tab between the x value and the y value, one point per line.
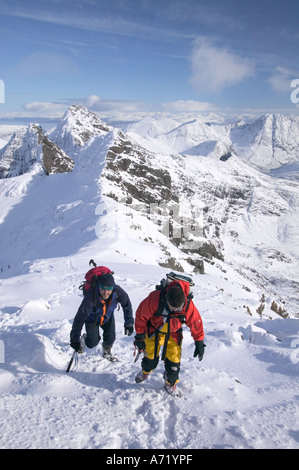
137	355
71	361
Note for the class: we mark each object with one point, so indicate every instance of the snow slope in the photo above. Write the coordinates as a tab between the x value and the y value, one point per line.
243	395
6	132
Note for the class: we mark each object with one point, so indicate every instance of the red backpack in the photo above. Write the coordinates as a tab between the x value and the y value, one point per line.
92	276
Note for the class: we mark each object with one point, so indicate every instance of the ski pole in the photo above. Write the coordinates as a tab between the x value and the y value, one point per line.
71	361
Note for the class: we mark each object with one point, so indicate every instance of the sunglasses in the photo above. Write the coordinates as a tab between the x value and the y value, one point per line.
175	309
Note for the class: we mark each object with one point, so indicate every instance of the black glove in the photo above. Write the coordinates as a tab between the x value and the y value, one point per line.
129	329
76	345
199	349
139	342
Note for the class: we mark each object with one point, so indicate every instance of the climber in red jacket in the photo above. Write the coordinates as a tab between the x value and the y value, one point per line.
158	322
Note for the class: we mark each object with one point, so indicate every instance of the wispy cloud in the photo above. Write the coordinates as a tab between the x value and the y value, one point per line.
115	107
96	103
41	64
44	107
215	68
96	19
280	80
92	102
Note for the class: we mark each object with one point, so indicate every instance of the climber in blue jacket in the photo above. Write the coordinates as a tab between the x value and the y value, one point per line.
97	310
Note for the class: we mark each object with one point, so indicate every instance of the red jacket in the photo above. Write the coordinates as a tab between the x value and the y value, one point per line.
149	306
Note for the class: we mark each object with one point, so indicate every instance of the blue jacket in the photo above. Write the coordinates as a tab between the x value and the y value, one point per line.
94	309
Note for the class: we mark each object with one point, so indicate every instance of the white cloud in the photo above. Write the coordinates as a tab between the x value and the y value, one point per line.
215	68
92	102
43	106
281	79
96	103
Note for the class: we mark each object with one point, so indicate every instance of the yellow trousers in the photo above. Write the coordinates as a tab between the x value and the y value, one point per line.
172	358
173	352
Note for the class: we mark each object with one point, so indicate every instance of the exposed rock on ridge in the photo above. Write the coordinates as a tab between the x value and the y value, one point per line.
30	147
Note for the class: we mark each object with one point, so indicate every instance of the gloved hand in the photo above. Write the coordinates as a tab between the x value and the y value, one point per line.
139	342
76	345
129	329
199	349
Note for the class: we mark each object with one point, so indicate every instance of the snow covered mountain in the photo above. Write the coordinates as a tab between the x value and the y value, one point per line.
140	204
225	211
30	148
195	209
267	142
76	128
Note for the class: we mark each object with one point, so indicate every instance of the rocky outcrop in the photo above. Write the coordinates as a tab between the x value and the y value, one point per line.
129	166
156	186
209	209
31	147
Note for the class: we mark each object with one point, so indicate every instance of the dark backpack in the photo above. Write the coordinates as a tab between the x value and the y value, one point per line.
92	276
162	304
170	277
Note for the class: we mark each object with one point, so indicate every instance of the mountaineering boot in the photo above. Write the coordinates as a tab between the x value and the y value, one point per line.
171	389
106	353
141	376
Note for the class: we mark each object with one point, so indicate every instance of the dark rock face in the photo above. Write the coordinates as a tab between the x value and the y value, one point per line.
54	159
133	172
129	166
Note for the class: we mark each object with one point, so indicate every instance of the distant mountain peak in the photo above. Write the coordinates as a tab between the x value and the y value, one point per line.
76	127
270	141
267	141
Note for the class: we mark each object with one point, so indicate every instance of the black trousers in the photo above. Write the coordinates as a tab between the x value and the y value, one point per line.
93	333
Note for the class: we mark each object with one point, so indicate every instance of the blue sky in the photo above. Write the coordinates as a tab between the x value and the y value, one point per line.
134	56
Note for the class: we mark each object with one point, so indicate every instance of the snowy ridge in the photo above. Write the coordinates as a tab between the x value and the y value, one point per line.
243	393
30	150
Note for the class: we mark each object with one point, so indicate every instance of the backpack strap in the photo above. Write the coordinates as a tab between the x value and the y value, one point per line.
162	301
189	298
166	338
